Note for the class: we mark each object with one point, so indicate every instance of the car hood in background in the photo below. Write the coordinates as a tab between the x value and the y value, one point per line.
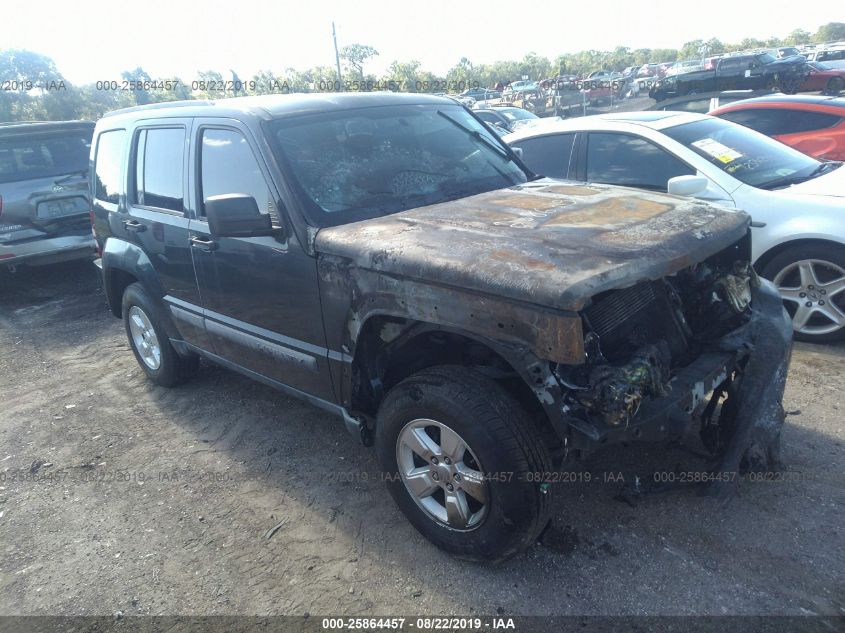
551	243
831	184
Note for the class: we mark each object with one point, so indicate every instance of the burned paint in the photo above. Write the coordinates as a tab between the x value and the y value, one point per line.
549	334
552	249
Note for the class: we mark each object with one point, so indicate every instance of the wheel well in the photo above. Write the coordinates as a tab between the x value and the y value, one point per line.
391	349
773	252
117	281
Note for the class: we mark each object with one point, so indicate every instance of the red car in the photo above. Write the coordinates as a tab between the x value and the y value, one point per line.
825	78
813	125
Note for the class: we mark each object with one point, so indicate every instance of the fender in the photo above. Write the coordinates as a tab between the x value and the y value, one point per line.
532	370
526	336
123	256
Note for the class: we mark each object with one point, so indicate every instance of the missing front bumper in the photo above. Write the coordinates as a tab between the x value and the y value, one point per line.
749	363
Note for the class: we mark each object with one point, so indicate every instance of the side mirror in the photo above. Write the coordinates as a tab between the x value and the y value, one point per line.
687	185
236	215
517	151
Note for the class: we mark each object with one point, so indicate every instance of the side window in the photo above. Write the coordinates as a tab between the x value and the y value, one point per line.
548	155
620	159
228	165
798	121
734	65
107	166
159	161
759	119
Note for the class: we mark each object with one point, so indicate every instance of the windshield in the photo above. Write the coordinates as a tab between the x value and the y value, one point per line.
369	162
42	156
766	58
749	156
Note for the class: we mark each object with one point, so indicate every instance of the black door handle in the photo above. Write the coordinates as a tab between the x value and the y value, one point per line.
203	245
134	225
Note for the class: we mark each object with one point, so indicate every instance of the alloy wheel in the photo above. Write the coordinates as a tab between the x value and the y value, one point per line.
144	338
442	474
812	291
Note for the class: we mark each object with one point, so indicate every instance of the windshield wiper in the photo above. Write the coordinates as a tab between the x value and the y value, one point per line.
73	174
786	181
478	136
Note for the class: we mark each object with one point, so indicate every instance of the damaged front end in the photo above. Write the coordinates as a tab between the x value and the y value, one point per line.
707	348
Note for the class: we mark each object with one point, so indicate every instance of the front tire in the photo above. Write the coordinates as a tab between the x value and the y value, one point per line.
834	86
464	463
811	280
150	343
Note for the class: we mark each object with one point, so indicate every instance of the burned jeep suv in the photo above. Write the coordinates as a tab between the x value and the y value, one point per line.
387	258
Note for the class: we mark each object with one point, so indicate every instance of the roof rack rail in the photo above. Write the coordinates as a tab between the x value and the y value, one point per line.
162	104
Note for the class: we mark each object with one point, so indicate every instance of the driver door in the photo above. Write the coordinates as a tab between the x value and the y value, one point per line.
259	294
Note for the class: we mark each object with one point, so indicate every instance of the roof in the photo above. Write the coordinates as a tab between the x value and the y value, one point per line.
30	127
273	106
611	122
792	99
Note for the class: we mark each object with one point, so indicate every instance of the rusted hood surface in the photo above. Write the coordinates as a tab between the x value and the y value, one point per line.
548	242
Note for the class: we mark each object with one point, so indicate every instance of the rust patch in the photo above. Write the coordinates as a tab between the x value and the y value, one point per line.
513	257
532	203
615	212
571	190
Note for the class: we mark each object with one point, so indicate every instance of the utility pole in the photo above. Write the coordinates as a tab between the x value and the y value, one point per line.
337	60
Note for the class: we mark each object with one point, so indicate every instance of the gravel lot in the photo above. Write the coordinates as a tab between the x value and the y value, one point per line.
226	497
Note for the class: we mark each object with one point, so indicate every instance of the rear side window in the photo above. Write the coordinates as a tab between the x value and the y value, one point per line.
620	159
489	117
773	122
548	155
107	168
228	165
30	157
159	160
733	65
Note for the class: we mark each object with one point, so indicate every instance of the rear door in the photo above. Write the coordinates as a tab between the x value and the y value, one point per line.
43	183
549	155
260	294
616	158
155	218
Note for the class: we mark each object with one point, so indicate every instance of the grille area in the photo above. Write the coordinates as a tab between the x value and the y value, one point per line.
627	319
616	307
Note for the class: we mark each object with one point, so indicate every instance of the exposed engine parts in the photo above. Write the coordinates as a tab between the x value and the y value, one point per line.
639	337
616	393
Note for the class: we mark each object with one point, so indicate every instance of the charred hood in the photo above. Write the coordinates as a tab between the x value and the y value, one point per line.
548	242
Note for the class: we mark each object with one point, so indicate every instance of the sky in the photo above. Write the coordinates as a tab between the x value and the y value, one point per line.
94	40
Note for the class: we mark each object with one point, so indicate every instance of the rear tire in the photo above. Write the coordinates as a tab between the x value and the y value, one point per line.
507	507
150	343
813	275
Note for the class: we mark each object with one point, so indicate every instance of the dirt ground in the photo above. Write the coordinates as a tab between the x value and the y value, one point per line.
226	497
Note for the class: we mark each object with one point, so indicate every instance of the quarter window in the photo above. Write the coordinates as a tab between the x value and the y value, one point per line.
228	165
773	122
159	160
620	159
107	169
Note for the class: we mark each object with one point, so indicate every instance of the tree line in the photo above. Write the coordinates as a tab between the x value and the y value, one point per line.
33	88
